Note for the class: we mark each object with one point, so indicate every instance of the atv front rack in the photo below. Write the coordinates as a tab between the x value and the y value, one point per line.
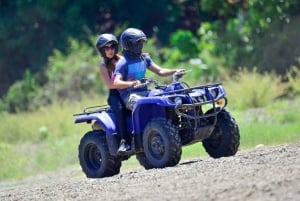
190	89
202	95
181	110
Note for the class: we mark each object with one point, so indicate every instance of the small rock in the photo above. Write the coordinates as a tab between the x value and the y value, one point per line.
259	146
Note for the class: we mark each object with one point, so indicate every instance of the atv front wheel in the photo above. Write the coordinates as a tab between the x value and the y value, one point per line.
141	157
94	157
225	138
162	144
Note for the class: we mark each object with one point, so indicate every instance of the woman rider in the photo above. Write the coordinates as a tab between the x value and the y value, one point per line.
107	46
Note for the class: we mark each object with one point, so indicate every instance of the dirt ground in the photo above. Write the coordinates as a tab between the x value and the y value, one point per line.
261	174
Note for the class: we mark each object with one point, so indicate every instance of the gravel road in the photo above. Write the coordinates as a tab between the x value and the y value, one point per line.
264	173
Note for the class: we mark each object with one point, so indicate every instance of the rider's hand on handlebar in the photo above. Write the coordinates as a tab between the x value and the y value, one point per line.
139	84
181	71
178	74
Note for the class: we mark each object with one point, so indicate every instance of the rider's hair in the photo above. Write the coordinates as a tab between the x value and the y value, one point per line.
110	64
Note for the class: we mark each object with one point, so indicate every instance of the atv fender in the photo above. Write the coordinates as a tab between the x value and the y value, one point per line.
144	109
105	120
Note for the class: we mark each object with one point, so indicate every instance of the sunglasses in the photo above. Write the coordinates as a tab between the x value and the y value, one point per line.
109	47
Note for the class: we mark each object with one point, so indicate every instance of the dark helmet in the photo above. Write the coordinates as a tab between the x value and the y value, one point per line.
104	39
132	41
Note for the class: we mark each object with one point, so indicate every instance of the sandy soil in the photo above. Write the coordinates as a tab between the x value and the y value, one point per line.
264	173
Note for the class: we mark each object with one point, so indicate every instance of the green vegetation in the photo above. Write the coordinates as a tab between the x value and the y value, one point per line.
231	33
253	89
40	141
200	35
294	79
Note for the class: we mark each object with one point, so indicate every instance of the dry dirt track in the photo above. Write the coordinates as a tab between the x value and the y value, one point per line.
265	173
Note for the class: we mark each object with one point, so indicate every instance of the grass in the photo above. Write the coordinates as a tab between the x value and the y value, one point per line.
274	124
40	141
47	140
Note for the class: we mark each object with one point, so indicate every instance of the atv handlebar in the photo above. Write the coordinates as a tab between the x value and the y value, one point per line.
147	81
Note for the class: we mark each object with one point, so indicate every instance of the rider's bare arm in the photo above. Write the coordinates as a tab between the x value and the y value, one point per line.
121	84
164	71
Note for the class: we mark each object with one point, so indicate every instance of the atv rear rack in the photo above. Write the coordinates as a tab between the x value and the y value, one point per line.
92	110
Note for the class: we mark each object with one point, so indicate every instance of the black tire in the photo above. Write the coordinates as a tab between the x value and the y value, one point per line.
94	157
162	144
225	138
141	157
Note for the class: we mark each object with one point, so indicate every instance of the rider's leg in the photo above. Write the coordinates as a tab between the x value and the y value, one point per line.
119	109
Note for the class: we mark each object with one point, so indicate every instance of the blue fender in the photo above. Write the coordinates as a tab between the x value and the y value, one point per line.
106	120
143	109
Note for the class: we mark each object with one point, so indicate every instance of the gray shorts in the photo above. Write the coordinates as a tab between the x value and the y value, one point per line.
133	97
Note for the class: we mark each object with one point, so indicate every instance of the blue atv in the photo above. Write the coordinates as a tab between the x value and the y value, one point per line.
170	117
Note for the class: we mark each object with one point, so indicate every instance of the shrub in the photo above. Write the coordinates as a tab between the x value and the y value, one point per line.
21	94
250	89
73	73
67	76
294	80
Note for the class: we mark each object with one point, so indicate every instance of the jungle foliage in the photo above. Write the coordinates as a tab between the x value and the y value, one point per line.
47	46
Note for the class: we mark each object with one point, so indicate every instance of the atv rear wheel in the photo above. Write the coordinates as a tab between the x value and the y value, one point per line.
162	144
94	157
225	138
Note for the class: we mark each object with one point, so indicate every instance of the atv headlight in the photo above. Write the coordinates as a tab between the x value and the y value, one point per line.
178	101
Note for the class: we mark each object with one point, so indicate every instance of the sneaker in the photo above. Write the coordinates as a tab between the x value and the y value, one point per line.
124	147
